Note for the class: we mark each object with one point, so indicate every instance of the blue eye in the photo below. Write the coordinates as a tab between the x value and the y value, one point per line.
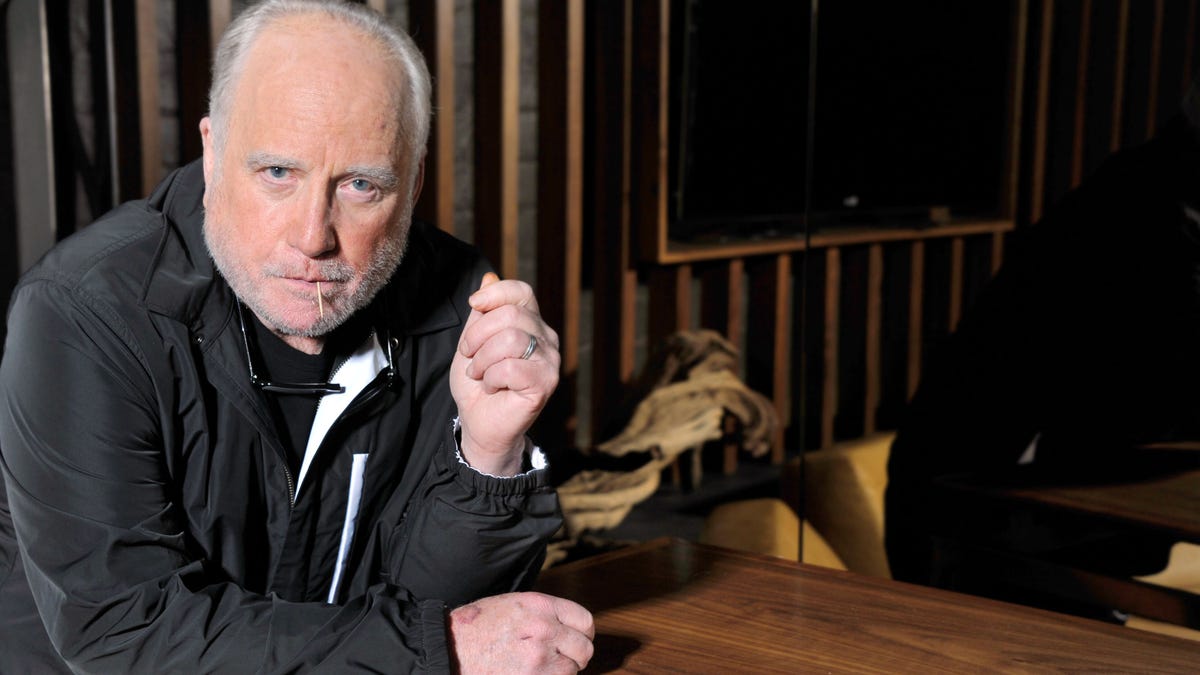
360	184
277	172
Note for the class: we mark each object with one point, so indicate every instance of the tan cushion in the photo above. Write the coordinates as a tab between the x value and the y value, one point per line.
764	526
843	499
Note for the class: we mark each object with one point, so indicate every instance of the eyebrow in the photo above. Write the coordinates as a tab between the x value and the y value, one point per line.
385	178
259	159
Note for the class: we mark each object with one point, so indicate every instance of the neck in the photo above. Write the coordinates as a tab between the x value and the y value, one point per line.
308	345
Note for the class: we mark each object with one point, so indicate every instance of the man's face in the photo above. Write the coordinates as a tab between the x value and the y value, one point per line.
312	188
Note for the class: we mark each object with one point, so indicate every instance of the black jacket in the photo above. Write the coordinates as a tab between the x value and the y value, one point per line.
149	491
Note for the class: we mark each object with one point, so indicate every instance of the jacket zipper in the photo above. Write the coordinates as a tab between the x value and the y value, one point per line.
291	485
366	395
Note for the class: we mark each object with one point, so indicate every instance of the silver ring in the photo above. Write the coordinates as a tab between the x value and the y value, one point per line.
531	348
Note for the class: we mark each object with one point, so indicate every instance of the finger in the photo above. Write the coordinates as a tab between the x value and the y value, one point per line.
575	646
509	343
494	325
499	293
535	381
574	615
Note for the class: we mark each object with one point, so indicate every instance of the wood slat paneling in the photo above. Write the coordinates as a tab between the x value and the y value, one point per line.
670	291
497	131
614	280
198	25
1120	54
432	25
1037	183
872	359
1081	78
957	245
651	40
560	196
721	288
829	388
149	119
916	317
1156	47
1016	85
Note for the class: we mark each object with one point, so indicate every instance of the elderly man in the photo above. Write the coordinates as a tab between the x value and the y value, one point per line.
263	422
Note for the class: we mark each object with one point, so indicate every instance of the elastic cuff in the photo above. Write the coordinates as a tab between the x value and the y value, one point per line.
435	639
532	457
532	480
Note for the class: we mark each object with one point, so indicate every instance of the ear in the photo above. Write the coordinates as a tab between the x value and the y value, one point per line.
210	156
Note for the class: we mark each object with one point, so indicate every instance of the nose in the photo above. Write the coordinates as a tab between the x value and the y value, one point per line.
312	231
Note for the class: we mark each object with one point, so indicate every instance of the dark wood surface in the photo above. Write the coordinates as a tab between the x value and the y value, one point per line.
1168	504
1157	491
1153	491
674	606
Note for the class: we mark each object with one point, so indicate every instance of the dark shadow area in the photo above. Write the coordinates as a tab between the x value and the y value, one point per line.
9	262
612	651
1106	469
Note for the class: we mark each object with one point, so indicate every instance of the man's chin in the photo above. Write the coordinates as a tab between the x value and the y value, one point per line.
301	321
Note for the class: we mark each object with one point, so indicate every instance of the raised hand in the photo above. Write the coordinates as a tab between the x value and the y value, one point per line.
505	370
521	633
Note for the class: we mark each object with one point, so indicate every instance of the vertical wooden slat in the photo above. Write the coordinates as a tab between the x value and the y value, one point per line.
670	302
1081	78
197	29
615	279
873	358
722	289
560	196
1114	142
122	103
33	121
997	251
148	95
781	385
916	311
432	26
650	94
1016	89
829	388
1189	46
220	12
670	308
1155	65
1037	183
957	255
497	52
767	348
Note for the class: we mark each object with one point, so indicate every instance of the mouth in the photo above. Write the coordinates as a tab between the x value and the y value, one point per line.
309	287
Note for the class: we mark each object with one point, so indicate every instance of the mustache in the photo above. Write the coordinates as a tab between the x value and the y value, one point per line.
327	270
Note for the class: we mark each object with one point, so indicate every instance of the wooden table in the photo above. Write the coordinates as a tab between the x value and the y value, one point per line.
1159	495
673	606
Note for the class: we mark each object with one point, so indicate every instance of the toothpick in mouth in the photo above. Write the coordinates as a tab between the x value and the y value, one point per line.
320	301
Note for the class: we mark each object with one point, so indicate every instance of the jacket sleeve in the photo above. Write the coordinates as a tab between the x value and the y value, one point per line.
470	535
115	579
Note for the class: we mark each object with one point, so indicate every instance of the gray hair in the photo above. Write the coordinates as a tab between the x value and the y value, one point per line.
415	108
